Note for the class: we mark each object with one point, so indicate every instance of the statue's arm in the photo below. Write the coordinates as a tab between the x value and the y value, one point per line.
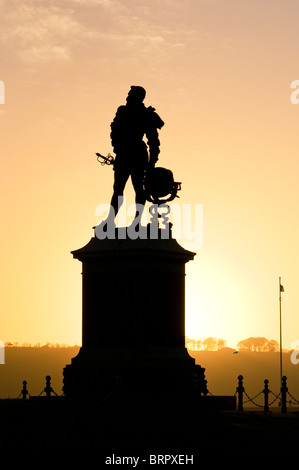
154	144
154	123
116	128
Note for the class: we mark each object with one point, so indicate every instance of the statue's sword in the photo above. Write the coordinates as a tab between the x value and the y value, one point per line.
109	160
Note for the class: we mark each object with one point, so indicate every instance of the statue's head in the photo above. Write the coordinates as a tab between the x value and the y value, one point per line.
136	94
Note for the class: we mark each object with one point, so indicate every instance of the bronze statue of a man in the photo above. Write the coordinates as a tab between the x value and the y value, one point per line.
134	157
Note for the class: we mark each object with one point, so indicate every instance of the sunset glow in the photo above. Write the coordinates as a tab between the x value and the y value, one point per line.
219	74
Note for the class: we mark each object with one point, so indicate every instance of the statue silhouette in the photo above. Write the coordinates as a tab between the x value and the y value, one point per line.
134	157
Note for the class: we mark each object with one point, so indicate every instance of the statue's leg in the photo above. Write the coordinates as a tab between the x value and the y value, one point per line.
120	180
107	226
137	181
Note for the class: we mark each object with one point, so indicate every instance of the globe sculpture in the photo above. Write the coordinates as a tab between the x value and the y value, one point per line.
159	186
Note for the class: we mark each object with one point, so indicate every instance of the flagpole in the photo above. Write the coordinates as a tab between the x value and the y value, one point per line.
280	329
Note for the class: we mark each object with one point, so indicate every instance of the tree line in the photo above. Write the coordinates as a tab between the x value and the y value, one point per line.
16	344
258	344
206	344
254	344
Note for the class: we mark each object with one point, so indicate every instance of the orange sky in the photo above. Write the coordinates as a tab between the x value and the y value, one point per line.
219	74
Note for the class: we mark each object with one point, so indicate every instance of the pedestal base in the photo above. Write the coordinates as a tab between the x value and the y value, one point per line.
133	320
154	371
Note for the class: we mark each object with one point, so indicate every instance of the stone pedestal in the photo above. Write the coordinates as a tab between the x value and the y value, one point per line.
133	325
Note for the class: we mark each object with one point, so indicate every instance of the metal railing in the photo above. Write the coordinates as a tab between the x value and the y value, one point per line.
281	396
48	390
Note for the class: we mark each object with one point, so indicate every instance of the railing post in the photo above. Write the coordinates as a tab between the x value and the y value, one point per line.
240	390
24	391
266	395
283	391
48	388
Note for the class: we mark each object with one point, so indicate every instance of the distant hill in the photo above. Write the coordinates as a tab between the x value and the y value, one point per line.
222	370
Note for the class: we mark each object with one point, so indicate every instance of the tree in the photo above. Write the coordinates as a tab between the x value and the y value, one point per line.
272	346
257	344
210	344
221	343
193	344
